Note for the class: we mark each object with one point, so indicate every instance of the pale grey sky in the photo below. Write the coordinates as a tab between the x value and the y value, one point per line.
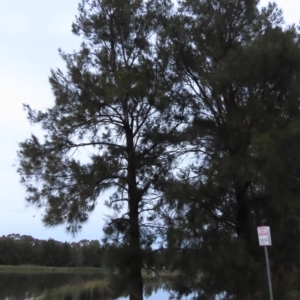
31	31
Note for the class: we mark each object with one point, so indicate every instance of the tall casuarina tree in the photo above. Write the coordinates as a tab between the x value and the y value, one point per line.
113	101
241	66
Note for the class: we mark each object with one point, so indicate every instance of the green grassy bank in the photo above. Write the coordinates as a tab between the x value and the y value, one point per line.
40	269
83	270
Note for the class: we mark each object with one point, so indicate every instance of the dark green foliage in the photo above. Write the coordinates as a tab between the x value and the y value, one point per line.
9	254
96	293
68	296
84	295
25	250
214	83
242	70
114	105
50	252
91	253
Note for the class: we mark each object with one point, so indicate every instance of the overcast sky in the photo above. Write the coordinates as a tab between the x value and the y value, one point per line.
31	31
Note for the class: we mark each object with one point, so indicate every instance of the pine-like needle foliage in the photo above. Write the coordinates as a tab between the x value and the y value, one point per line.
113	105
242	68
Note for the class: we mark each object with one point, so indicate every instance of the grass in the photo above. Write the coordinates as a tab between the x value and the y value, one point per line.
91	290
31	269
40	269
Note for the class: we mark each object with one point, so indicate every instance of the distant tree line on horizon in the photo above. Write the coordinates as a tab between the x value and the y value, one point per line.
18	249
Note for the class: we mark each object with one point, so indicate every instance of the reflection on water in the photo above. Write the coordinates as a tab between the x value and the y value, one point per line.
21	286
160	294
164	289
159	289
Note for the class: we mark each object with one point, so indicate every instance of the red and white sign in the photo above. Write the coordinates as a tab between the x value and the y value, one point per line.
264	236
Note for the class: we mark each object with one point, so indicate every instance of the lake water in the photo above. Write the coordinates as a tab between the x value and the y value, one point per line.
22	286
160	294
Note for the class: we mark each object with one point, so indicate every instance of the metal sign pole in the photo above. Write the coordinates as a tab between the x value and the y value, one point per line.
264	238
269	273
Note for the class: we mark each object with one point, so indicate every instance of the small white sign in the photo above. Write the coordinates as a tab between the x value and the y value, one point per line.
264	236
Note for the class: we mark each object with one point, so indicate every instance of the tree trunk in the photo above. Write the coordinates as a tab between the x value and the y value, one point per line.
243	216
135	280
135	274
135	260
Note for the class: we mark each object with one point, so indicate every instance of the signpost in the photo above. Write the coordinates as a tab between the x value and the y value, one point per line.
264	238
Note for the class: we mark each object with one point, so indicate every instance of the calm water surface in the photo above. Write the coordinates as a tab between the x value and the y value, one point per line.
22	286
157	290
159	294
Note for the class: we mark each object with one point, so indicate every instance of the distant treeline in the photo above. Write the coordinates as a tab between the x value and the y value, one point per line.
18	249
